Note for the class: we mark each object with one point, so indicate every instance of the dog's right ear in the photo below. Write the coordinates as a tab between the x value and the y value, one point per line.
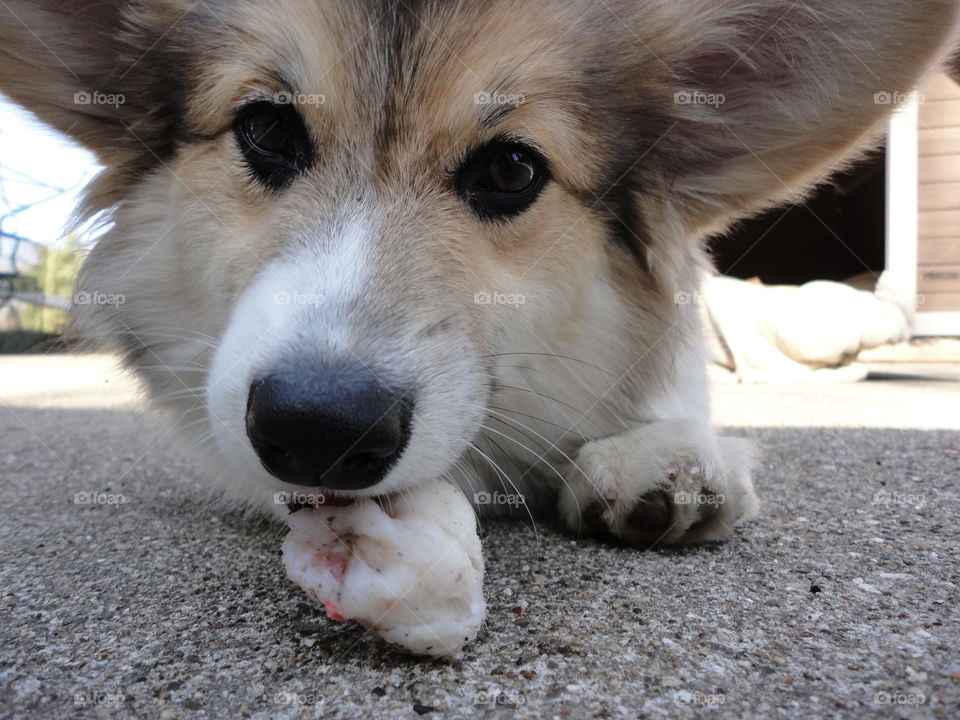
104	72
768	95
953	66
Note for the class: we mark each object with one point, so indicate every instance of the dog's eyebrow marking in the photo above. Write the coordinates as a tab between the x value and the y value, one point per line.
280	79
496	114
502	99
625	223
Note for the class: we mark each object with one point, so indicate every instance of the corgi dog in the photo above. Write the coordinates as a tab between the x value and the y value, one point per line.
362	244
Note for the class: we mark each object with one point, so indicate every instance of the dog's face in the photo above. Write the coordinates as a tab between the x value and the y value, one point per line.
379	219
335	218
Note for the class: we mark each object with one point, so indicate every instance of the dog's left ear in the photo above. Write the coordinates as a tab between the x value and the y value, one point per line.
953	66
764	96
104	72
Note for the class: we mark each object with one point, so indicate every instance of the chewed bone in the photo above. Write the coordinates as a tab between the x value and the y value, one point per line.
409	569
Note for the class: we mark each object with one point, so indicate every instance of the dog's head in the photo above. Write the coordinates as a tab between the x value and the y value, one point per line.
332	218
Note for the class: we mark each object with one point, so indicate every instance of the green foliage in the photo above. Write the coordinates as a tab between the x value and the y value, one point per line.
56	274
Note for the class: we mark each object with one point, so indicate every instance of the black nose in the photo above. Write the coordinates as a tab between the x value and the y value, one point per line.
337	427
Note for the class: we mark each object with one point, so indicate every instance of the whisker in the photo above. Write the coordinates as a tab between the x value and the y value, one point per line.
172	368
556	472
193	423
581	436
499	447
555	355
448	477
566	430
174	394
580	413
508	421
145	334
497	468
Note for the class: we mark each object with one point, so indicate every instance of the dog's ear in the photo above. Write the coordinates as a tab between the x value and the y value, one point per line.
101	71
953	66
769	94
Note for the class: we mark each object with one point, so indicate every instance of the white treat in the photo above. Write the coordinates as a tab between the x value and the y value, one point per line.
411	571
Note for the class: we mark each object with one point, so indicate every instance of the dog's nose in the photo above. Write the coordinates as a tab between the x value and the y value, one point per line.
339	428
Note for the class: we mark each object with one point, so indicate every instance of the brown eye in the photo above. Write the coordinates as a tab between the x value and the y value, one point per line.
267	131
274	142
502	179
510	170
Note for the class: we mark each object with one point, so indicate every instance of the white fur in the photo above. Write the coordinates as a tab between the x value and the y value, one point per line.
808	333
607	400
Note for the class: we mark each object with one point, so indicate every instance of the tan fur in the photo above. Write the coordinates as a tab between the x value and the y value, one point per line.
600	350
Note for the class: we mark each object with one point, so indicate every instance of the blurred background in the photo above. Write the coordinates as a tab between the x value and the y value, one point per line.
41	176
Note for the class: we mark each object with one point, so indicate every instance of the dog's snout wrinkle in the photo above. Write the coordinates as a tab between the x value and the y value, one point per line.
338	427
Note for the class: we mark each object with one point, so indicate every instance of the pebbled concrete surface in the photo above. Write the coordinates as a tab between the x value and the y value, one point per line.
841	601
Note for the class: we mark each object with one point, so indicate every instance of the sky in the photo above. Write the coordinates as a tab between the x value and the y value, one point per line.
31	154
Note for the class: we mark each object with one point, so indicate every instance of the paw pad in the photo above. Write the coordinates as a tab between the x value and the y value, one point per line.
651	517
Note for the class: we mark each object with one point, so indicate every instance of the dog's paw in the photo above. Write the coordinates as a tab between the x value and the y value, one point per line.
664	483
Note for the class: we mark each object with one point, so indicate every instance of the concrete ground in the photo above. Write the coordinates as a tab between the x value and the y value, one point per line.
841	600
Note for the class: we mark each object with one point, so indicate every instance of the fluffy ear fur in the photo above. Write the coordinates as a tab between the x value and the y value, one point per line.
98	71
769	94
953	66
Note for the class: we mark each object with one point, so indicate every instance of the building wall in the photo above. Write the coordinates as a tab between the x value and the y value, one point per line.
938	246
